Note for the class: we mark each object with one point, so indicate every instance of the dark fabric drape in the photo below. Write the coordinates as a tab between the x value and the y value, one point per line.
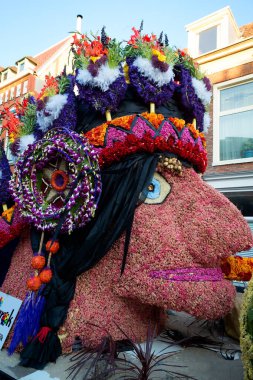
130	105
5	258
122	186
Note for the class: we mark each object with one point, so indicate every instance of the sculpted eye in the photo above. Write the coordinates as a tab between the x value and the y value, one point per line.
158	190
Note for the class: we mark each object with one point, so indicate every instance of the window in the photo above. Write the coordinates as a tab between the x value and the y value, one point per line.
21	66
25	84
233	115
18	91
1	98
12	93
208	40
5	75
6	96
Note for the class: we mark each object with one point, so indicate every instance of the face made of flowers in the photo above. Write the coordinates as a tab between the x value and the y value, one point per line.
185	225
178	238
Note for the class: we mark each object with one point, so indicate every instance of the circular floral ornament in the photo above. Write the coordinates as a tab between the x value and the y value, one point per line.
57	180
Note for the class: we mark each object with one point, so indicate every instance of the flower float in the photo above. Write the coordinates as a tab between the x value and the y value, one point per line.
57	175
193	91
159	232
99	75
150	61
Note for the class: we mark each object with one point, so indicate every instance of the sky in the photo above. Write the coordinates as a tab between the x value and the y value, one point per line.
30	26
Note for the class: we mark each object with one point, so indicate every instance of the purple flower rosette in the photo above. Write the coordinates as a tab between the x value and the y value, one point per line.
147	89
187	97
57	177
98	95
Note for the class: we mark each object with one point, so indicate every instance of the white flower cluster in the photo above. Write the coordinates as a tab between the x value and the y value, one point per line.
201	91
106	76
25	141
146	68
46	117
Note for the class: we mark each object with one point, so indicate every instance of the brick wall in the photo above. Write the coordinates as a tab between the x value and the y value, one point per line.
219	77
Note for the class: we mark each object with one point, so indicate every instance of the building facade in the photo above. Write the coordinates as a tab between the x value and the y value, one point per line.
224	52
28	76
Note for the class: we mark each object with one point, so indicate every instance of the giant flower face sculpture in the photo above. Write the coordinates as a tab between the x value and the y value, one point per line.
179	236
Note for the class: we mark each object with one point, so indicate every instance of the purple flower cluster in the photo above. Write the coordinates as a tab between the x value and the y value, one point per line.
104	100
156	63
147	89
81	201
187	97
15	147
5	176
94	67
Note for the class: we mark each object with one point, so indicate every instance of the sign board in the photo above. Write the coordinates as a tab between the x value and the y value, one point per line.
9	307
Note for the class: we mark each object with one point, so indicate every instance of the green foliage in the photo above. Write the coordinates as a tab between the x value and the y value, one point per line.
80	62
115	53
28	120
142	49
189	64
63	83
170	54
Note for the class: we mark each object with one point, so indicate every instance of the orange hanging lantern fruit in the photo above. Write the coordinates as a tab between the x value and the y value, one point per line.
52	247
46	275
38	262
34	283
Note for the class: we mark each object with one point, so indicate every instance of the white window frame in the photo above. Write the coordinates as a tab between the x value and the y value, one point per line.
216	118
1	98
12	93
18	90
9	156
4	74
25	87
20	65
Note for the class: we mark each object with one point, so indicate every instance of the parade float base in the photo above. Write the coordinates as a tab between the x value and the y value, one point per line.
208	362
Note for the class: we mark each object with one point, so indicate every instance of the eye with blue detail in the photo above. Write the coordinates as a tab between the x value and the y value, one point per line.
158	190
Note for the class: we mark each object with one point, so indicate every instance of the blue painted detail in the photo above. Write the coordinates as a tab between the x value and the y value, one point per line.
157	189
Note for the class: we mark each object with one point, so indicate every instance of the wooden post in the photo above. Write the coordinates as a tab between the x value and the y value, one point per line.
108	115
152	107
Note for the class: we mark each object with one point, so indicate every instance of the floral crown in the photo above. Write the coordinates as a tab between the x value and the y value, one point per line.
151	133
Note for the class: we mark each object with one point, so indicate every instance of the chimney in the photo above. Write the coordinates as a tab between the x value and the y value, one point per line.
79	23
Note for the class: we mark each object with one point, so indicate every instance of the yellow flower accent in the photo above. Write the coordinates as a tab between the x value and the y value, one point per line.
7	214
94	59
159	55
126	71
12	137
